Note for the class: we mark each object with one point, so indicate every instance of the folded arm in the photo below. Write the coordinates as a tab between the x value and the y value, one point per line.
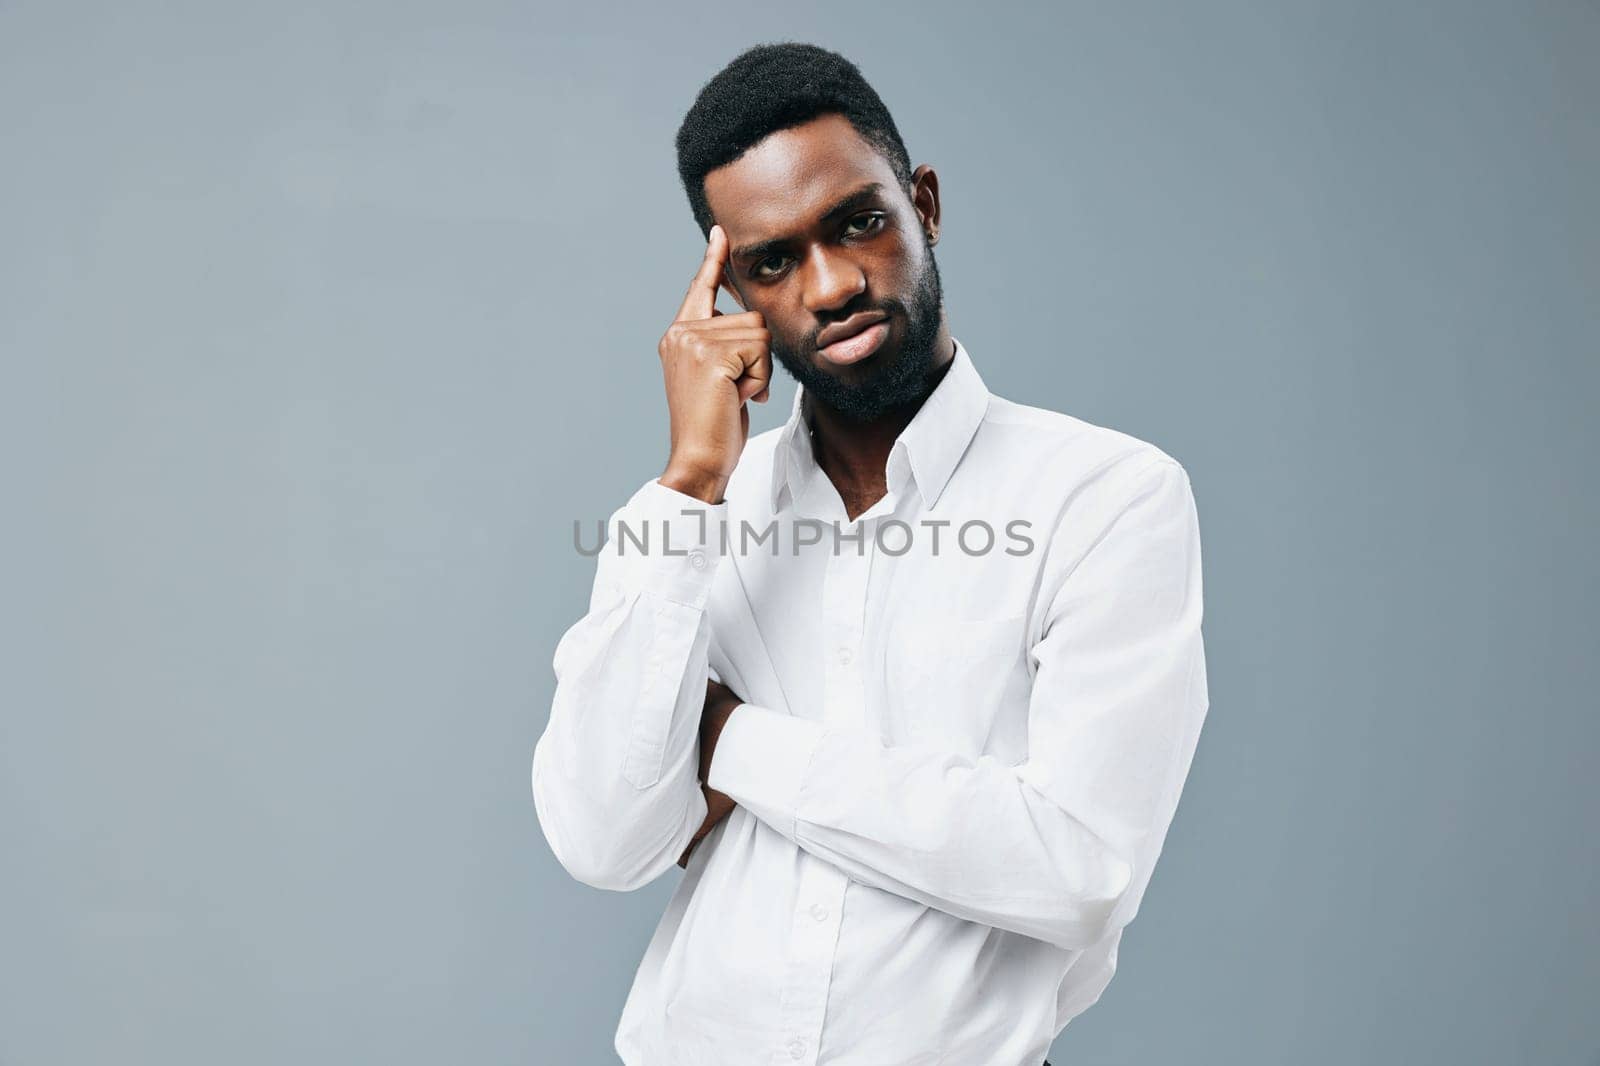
616	773
1061	846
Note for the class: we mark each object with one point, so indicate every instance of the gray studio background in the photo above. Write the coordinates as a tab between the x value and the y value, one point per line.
321	323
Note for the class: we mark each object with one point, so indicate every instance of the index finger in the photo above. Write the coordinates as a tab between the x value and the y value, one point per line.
702	297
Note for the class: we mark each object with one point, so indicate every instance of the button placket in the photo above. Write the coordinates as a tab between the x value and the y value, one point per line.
819	895
844	595
813	942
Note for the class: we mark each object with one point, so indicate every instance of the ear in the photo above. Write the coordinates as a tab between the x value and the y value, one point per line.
925	199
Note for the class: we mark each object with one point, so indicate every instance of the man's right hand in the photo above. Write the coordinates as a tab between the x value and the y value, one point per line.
712	364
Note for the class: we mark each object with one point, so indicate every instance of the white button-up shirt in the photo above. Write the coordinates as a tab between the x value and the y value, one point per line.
969	714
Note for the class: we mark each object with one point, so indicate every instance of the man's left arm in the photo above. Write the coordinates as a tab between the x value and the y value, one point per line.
1060	847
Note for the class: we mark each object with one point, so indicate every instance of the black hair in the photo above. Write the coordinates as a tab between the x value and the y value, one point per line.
773	87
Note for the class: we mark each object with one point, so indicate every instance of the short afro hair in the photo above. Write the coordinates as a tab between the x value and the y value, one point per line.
773	87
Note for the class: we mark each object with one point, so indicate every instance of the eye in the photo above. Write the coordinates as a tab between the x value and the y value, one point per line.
760	269
863	224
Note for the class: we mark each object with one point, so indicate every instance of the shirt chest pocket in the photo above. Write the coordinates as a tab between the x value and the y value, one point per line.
947	682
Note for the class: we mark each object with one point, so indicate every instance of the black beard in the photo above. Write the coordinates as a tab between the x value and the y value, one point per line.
894	383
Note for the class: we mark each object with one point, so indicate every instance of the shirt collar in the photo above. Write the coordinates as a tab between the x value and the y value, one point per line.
931	444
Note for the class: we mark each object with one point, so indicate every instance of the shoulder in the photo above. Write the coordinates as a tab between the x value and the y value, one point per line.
1088	480
1064	449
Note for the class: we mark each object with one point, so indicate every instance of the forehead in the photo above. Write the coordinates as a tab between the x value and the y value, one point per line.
787	179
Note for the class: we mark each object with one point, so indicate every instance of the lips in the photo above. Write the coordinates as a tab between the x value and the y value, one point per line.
857	346
856	323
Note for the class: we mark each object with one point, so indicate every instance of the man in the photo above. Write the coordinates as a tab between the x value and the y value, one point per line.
909	686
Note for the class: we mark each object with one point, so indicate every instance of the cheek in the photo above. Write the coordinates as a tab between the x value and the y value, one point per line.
781	319
896	268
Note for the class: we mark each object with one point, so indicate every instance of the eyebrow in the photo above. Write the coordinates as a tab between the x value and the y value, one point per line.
844	205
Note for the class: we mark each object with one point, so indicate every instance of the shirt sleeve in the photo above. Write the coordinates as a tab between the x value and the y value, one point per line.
616	772
1060	847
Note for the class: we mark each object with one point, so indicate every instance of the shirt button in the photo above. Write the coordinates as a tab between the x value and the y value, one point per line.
697	559
819	912
797	1049
845	656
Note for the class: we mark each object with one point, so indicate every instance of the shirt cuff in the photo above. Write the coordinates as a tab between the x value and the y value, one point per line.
672	543
761	761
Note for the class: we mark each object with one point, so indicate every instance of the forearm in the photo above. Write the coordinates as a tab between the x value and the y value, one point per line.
967	836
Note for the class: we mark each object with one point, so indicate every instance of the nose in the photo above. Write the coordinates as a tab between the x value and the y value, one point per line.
832	281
